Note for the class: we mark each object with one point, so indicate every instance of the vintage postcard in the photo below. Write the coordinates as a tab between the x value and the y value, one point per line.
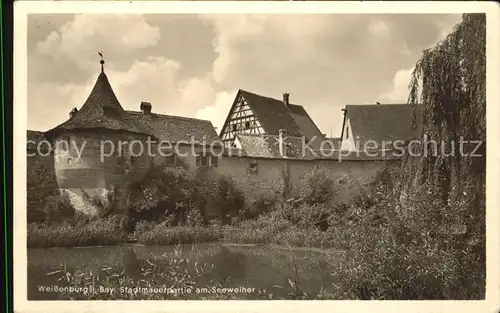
199	153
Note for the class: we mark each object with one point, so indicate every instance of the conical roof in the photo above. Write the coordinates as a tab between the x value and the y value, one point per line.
101	110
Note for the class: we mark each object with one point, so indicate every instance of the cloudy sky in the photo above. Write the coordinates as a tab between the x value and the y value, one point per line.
192	65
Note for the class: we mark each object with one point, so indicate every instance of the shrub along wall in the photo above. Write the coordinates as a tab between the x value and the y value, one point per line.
175	196
41	185
269	178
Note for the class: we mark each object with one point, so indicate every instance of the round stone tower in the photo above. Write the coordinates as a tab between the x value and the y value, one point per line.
97	152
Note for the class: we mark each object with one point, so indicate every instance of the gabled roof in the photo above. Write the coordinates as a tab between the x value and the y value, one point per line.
380	122
101	110
175	128
274	115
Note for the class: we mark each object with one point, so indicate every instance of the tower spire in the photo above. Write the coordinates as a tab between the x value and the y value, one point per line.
102	61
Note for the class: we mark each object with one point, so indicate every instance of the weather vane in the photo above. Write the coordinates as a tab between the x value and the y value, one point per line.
102	61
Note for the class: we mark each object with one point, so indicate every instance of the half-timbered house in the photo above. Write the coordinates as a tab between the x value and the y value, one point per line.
253	114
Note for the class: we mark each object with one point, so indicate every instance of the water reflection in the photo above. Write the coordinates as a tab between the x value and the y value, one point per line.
268	271
228	264
131	265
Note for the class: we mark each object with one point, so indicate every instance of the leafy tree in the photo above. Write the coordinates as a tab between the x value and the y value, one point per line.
448	96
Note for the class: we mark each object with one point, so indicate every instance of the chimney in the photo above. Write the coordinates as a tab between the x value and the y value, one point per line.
146	107
73	113
286	99
282	133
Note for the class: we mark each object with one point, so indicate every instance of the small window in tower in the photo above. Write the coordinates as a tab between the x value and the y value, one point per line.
347	132
235	127
247	124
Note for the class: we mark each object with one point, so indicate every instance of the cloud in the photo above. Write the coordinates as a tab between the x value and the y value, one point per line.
264	37
400	87
154	79
323	61
400	90
218	111
196	93
76	41
378	27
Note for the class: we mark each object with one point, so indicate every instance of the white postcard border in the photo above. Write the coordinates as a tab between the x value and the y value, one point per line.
23	8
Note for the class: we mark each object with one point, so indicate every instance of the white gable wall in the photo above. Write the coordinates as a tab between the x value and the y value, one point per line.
348	142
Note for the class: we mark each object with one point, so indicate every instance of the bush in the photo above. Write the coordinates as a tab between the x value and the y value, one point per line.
261	231
184	198
41	189
56	207
105	202
274	230
168	194
80	232
417	253
304	215
376	266
263	205
228	199
318	187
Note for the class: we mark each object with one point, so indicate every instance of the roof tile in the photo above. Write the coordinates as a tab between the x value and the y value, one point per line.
382	122
175	128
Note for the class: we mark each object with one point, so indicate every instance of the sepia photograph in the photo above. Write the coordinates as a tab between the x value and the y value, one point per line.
191	155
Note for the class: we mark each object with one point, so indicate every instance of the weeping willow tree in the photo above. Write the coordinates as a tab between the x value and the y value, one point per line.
448	97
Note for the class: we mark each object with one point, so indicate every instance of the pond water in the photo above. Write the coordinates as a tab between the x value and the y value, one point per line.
179	272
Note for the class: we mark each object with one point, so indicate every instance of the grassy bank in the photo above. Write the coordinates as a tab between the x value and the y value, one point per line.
95	232
108	232
268	231
162	234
